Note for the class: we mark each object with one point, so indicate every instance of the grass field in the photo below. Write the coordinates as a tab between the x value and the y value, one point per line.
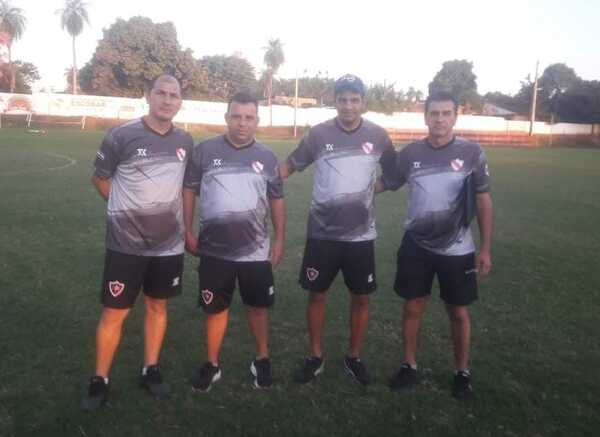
536	353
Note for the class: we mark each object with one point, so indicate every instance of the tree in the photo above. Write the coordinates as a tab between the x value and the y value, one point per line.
273	59
553	83
26	74
228	75
72	17
382	98
580	103
457	78
133	52
12	23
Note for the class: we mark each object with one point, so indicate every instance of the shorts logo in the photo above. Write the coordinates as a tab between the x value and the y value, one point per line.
312	274
175	281
207	296
271	290
181	154
370	278
487	170
470	271
116	288
257	166
456	164
367	147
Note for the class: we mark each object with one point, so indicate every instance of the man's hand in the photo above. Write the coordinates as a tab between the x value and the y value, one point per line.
483	262
276	252
191	243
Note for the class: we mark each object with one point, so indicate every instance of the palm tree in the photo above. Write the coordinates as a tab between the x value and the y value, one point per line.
273	59
12	23
72	17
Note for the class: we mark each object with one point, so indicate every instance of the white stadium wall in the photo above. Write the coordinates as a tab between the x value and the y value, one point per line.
193	111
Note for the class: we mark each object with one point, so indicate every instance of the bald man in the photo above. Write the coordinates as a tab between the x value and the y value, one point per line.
139	171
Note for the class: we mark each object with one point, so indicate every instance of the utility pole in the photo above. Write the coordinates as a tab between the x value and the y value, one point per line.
296	106
534	98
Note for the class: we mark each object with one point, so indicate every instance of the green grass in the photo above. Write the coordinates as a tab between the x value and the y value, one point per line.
536	354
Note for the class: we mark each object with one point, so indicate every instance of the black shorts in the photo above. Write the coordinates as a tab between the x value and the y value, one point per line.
217	283
417	266
323	259
124	276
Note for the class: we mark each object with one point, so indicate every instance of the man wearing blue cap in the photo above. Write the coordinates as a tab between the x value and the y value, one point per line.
341	226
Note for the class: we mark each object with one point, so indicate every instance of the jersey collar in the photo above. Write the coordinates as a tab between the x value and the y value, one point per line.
349	132
147	126
245	146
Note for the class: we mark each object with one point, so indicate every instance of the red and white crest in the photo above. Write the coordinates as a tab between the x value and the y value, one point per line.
312	273
181	154
207	296
115	288
257	166
367	147
457	164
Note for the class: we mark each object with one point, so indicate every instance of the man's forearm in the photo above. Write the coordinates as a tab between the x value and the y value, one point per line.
278	218
285	170
102	185
485	220
189	205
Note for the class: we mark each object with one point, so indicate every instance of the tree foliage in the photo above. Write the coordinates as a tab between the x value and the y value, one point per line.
457	78
228	75
26	74
12	23
133	52
72	18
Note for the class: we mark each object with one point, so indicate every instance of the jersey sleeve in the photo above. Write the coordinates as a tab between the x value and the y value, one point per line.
399	175
304	154
193	169
107	158
481	173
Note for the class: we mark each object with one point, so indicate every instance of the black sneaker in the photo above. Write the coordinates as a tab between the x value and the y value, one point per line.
96	394
312	367
406	378
204	377
261	370
462	388
357	370
153	382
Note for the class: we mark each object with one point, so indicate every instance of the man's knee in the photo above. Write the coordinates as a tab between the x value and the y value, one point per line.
112	317
414	308
360	300
458	313
156	307
317	298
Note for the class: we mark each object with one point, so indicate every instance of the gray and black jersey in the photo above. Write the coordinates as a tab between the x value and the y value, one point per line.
345	174
146	169
438	188
234	185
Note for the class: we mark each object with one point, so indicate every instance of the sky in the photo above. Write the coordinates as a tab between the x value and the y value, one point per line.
400	42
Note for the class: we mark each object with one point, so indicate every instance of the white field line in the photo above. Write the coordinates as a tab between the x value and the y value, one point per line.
70	162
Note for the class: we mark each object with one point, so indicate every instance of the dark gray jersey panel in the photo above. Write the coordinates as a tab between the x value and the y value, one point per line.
345	173
437	192
144	210
234	185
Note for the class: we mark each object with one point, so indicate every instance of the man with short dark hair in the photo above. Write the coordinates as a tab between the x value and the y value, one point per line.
237	180
341	226
139	170
448	183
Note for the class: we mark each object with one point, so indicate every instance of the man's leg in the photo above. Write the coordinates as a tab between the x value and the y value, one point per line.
359	317
216	326
108	337
258	320
411	322
460	324
315	318
155	327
